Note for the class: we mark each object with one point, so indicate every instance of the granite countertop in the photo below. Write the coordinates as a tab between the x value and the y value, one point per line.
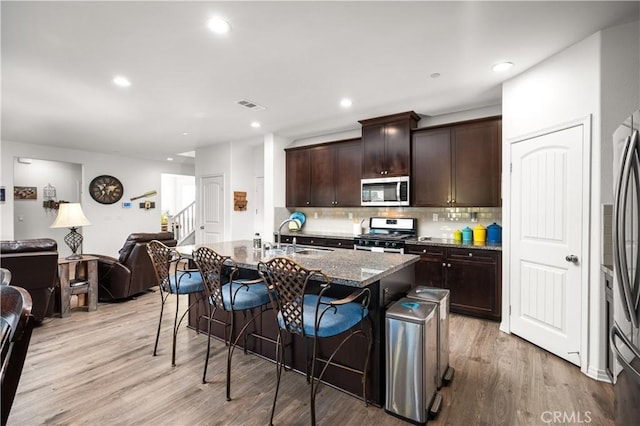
443	242
352	268
318	234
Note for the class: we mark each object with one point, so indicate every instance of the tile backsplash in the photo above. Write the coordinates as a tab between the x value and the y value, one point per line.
437	222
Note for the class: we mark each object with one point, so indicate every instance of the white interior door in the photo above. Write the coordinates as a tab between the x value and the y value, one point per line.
212	209
546	231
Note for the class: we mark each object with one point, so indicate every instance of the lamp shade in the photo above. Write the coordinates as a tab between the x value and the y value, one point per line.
70	215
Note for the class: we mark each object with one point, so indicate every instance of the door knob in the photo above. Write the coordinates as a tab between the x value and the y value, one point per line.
571	258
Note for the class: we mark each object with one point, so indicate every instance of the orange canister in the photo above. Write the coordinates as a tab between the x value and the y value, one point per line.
479	234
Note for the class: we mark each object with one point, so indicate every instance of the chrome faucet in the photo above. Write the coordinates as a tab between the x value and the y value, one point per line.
284	222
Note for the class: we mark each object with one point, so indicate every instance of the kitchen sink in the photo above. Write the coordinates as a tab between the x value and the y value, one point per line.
287	249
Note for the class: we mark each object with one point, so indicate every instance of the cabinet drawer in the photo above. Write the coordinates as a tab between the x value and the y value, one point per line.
472	255
339	243
425	250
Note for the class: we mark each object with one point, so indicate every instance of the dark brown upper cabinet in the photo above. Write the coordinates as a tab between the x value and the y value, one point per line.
298	179
386	145
326	175
457	165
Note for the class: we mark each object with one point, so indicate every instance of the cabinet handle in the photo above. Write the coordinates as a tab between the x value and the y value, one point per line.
470	254
339	244
448	201
453	201
444	264
308	202
448	265
424	250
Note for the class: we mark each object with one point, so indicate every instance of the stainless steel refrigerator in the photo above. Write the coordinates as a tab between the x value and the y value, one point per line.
624	334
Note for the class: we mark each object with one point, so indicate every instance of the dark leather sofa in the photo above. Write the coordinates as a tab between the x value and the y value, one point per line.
34	266
132	272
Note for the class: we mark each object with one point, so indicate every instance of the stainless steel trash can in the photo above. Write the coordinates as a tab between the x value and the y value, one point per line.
411	360
441	297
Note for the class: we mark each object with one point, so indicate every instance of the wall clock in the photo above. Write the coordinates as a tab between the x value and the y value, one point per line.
106	189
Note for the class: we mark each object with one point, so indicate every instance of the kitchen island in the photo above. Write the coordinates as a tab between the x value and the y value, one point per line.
388	276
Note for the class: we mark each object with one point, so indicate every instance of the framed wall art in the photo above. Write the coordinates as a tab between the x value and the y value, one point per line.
25	193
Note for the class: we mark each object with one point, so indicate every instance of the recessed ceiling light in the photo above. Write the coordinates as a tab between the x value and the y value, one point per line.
218	25
435	75
169	158
502	66
255	124
185	133
345	102
121	81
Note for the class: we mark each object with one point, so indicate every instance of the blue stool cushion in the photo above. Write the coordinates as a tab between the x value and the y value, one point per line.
334	321
190	282
249	297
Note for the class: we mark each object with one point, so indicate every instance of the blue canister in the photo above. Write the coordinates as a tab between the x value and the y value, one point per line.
494	233
467	235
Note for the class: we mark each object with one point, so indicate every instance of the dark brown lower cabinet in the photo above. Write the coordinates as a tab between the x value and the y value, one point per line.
318	241
473	276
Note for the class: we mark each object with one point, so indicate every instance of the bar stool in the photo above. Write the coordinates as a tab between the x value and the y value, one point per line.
314	317
181	281
224	291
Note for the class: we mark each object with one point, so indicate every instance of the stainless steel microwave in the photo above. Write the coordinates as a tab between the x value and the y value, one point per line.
390	191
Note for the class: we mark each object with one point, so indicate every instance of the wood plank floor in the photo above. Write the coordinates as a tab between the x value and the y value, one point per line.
97	368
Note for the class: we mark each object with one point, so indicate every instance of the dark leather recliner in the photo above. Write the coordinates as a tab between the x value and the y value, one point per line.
132	273
34	266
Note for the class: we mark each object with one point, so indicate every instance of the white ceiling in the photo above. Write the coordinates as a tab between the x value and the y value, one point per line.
298	59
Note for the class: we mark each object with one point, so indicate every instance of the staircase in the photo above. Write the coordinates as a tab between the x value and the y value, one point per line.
183	225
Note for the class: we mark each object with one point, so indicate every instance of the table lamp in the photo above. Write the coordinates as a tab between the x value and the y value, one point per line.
70	216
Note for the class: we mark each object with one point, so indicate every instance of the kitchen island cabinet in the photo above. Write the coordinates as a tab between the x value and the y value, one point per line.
388	276
474	277
386	145
457	165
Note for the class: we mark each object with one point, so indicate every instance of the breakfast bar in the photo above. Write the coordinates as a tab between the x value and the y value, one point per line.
388	276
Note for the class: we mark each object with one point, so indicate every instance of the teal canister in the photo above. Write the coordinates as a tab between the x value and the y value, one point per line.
494	233
467	235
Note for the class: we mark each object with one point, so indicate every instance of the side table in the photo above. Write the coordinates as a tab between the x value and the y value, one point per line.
78	276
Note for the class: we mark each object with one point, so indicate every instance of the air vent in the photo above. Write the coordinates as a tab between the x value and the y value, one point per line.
251	105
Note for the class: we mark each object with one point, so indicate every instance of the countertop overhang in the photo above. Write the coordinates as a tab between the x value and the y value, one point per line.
354	268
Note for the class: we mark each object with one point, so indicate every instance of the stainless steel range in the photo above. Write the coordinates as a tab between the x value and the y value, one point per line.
387	234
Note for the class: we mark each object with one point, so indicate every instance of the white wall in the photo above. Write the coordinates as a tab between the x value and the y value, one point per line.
620	88
274	181
110	224
178	191
240	163
31	220
571	85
